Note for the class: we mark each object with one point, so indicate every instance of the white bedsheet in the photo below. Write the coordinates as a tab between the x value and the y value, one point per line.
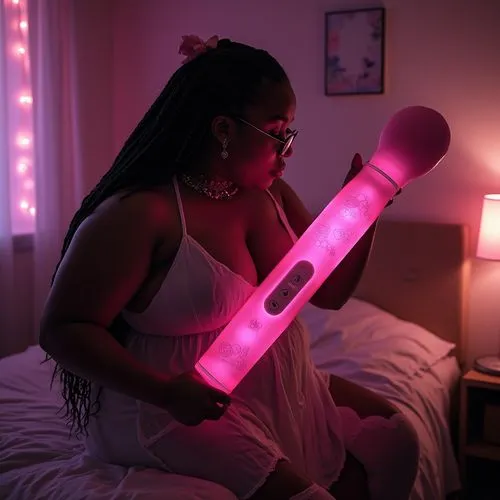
38	461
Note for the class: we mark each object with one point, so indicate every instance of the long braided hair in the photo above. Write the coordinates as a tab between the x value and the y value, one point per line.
168	139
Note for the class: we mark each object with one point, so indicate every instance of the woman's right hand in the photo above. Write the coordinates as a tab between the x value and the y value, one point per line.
191	401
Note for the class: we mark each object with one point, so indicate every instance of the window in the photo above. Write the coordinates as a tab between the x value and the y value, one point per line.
19	136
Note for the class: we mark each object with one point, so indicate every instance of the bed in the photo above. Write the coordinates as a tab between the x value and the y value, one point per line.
401	335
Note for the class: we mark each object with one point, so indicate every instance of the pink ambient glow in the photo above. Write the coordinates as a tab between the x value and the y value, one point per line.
412	143
19	117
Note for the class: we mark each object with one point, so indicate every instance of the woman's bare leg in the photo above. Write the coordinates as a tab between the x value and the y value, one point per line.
285	484
364	402
386	445
352	483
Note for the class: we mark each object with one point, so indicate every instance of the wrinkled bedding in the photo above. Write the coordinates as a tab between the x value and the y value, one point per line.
405	363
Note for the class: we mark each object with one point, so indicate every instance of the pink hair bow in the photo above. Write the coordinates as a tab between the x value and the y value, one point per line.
192	46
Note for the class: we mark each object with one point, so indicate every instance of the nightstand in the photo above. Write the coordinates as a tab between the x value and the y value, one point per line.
479	443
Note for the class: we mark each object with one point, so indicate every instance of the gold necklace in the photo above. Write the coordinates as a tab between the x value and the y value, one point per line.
217	190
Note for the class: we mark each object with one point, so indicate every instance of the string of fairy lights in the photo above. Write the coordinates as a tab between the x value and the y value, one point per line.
20	117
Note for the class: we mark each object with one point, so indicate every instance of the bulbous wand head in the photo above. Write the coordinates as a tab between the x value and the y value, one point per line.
412	143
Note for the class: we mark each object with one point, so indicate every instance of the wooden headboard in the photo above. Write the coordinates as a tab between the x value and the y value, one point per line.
419	271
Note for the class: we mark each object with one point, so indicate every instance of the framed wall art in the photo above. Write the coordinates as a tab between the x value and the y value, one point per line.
354	51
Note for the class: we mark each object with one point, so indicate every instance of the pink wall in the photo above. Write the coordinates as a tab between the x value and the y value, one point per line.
94	45
440	53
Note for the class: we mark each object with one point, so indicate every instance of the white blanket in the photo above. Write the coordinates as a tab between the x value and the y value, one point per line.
404	363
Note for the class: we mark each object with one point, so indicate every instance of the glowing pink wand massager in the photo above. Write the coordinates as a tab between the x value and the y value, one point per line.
412	143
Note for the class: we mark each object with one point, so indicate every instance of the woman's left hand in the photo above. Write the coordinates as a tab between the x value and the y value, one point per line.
356	166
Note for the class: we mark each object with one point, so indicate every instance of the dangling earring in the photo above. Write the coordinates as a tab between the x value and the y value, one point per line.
224	154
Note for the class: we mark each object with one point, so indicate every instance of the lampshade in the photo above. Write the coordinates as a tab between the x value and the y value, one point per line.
488	246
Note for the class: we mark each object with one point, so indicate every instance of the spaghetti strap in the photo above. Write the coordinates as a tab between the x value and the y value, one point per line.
179	205
282	217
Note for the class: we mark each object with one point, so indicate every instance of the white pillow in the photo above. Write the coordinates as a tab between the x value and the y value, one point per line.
361	335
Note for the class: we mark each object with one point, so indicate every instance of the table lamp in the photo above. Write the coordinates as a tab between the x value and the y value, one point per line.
488	248
411	144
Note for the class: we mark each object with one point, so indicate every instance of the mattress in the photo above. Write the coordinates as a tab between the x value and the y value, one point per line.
403	362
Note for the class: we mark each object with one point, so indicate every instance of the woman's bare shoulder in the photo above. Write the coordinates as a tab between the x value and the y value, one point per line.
152	205
143	214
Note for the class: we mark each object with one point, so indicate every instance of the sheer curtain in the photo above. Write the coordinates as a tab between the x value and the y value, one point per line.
68	97
17	200
7	305
57	133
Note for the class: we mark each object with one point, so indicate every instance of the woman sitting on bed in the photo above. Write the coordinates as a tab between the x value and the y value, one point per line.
164	251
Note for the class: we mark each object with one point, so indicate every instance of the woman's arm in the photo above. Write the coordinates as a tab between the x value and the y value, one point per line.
106	263
342	282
